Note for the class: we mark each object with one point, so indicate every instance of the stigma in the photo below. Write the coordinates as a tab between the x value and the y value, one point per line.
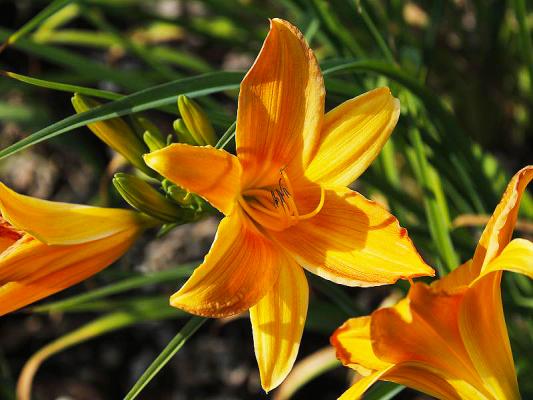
273	207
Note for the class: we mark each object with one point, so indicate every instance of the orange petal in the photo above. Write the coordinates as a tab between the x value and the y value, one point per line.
353	344
352	136
63	223
499	229
457	280
418	376
31	270
351	241
211	173
281	106
482	326
424	328
240	268
278	321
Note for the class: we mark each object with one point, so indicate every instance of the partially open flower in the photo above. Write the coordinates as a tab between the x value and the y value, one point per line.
48	246
448	339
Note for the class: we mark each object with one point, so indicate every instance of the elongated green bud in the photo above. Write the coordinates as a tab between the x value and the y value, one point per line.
154	142
115	133
144	198
178	194
183	133
196	121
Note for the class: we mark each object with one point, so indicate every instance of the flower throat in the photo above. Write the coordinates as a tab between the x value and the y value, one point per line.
273	207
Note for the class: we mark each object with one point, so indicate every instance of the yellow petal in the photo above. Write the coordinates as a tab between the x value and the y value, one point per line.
211	173
63	223
482	326
240	268
353	344
499	229
281	106
420	377
517	257
31	270
351	241
278	321
352	136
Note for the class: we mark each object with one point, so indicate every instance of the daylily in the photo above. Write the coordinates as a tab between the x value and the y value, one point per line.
447	339
286	203
48	246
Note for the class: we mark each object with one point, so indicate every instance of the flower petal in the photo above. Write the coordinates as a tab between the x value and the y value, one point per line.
423	327
418	376
211	173
353	344
278	321
240	268
517	257
499	229
31	270
281	106
351	241
482	326
352	135
457	280
56	223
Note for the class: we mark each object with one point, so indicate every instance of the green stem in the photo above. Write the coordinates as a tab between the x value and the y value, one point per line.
168	352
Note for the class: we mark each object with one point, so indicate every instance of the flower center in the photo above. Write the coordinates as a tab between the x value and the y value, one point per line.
273	207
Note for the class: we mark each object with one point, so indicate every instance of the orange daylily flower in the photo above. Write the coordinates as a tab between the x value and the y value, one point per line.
286	203
447	339
48	246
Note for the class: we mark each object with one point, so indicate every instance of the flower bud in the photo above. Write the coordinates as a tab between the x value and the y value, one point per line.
154	142
183	133
143	197
115	133
178	194
196	121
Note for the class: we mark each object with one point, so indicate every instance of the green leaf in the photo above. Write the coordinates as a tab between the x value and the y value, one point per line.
63	87
35	21
383	391
153	97
183	271
143	311
168	352
83	66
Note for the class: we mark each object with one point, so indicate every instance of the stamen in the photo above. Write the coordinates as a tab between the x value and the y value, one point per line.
275	208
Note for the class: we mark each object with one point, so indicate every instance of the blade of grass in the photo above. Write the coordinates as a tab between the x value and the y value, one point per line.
64	87
34	22
128	79
180	272
383	391
520	11
436	211
168	352
153	97
100	326
227	136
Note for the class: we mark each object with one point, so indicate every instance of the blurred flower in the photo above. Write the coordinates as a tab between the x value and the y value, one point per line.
448	339
48	246
115	133
286	203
